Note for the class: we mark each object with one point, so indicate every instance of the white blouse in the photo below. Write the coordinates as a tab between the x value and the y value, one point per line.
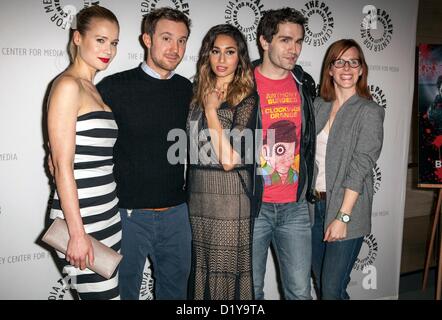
321	147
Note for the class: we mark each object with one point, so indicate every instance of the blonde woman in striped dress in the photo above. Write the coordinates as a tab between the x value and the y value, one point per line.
82	132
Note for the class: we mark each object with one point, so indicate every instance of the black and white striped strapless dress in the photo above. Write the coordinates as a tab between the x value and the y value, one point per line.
96	135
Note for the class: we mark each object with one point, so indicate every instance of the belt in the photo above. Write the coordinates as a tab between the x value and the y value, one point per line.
319	195
157	209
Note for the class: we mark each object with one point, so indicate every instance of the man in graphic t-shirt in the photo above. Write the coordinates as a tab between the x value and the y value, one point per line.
287	154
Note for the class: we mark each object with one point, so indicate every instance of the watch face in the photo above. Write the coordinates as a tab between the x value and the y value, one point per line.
345	218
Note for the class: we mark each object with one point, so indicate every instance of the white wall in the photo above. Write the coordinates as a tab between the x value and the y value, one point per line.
33	53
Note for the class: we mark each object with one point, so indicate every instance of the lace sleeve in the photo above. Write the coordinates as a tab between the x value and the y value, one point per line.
243	126
245	113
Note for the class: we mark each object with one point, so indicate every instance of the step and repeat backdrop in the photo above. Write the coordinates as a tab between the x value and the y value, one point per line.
33	43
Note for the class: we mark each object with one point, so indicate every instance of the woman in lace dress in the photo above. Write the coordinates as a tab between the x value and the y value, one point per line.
221	118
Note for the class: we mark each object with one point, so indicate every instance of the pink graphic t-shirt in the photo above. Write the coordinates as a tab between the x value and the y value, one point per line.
281	122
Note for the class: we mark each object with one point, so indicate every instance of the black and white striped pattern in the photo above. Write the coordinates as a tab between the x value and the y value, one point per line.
93	165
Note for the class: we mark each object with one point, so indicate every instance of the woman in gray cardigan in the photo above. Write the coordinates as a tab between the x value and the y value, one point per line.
349	128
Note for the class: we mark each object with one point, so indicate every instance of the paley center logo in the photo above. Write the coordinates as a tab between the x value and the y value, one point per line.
376	28
320	24
61	13
378	95
368	253
146	289
61	290
377	177
181	5
245	15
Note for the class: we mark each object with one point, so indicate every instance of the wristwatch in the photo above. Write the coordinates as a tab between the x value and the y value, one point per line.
344	217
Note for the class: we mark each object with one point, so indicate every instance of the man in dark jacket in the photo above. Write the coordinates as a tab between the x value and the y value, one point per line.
285	168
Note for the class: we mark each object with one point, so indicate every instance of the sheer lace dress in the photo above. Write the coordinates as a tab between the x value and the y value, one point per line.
219	206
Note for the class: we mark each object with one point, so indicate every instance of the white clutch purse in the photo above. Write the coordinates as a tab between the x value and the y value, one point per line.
106	259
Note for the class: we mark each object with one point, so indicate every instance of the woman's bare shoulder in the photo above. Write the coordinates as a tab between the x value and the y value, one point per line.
66	82
65	93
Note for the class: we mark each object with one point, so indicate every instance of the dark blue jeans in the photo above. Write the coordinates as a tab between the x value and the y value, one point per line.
164	237
332	262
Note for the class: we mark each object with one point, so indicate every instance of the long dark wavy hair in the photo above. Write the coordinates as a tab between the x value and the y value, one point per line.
205	79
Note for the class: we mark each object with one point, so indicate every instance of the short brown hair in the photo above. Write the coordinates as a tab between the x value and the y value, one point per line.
269	23
151	19
334	52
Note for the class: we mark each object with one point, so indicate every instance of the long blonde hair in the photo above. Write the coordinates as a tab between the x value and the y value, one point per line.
242	84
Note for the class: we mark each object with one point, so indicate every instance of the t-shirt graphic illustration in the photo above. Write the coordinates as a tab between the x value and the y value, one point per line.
281	122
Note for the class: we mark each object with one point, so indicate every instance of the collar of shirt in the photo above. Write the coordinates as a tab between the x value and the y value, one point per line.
151	72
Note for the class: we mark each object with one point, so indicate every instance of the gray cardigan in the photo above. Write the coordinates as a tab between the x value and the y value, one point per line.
354	144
